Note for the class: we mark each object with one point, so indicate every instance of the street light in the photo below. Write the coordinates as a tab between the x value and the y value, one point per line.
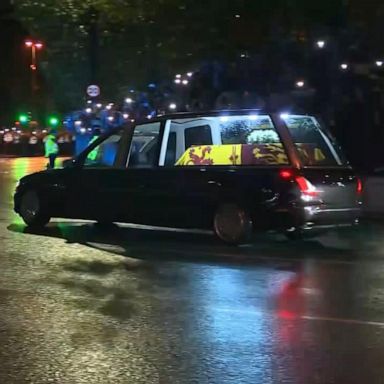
128	100
190	74
379	63
33	45
178	76
185	82
177	81
88	110
300	84
344	66
320	44
172	106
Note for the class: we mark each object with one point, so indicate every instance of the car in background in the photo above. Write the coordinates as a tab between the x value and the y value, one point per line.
235	172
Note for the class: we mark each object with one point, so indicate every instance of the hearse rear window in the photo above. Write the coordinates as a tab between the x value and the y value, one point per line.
228	140
314	147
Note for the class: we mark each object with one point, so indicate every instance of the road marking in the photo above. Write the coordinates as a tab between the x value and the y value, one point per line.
303	317
345	321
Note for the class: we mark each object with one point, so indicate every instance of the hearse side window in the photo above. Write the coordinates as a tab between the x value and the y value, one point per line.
144	146
200	135
228	140
104	155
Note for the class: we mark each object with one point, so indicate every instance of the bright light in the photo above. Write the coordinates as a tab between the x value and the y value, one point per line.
33	132
128	100
6	130
19	131
39	45
190	74
23	119
13	128
185	82
177	81
178	76
237	16
89	101
53	120
172	106
1	132
224	118
44	131
28	43
253	117
125	115
83	130
284	116
78	123
109	107
243	55
300	83
110	118
344	66
88	110
320	43
99	105
149	116
379	63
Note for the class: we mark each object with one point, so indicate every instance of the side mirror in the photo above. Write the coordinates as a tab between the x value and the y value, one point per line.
69	163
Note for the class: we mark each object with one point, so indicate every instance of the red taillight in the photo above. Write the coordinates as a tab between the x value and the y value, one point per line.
286	174
306	187
359	187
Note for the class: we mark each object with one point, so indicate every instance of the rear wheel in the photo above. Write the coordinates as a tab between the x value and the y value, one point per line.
232	224
31	210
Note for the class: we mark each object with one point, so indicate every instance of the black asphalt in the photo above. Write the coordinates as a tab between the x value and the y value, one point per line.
82	304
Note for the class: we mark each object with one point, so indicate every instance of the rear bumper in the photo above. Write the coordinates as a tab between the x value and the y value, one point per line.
316	217
319	217
311	217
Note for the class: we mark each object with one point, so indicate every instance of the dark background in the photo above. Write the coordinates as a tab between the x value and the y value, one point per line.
243	53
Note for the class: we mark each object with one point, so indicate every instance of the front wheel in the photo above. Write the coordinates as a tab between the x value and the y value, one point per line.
232	224
31	210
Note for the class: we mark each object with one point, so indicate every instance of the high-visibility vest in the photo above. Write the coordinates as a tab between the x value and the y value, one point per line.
51	147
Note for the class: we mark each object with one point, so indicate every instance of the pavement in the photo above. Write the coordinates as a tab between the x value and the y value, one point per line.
79	304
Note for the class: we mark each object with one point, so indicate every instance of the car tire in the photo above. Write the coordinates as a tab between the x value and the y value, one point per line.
232	224
32	211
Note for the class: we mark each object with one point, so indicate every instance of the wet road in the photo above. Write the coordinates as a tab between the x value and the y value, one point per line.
81	305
